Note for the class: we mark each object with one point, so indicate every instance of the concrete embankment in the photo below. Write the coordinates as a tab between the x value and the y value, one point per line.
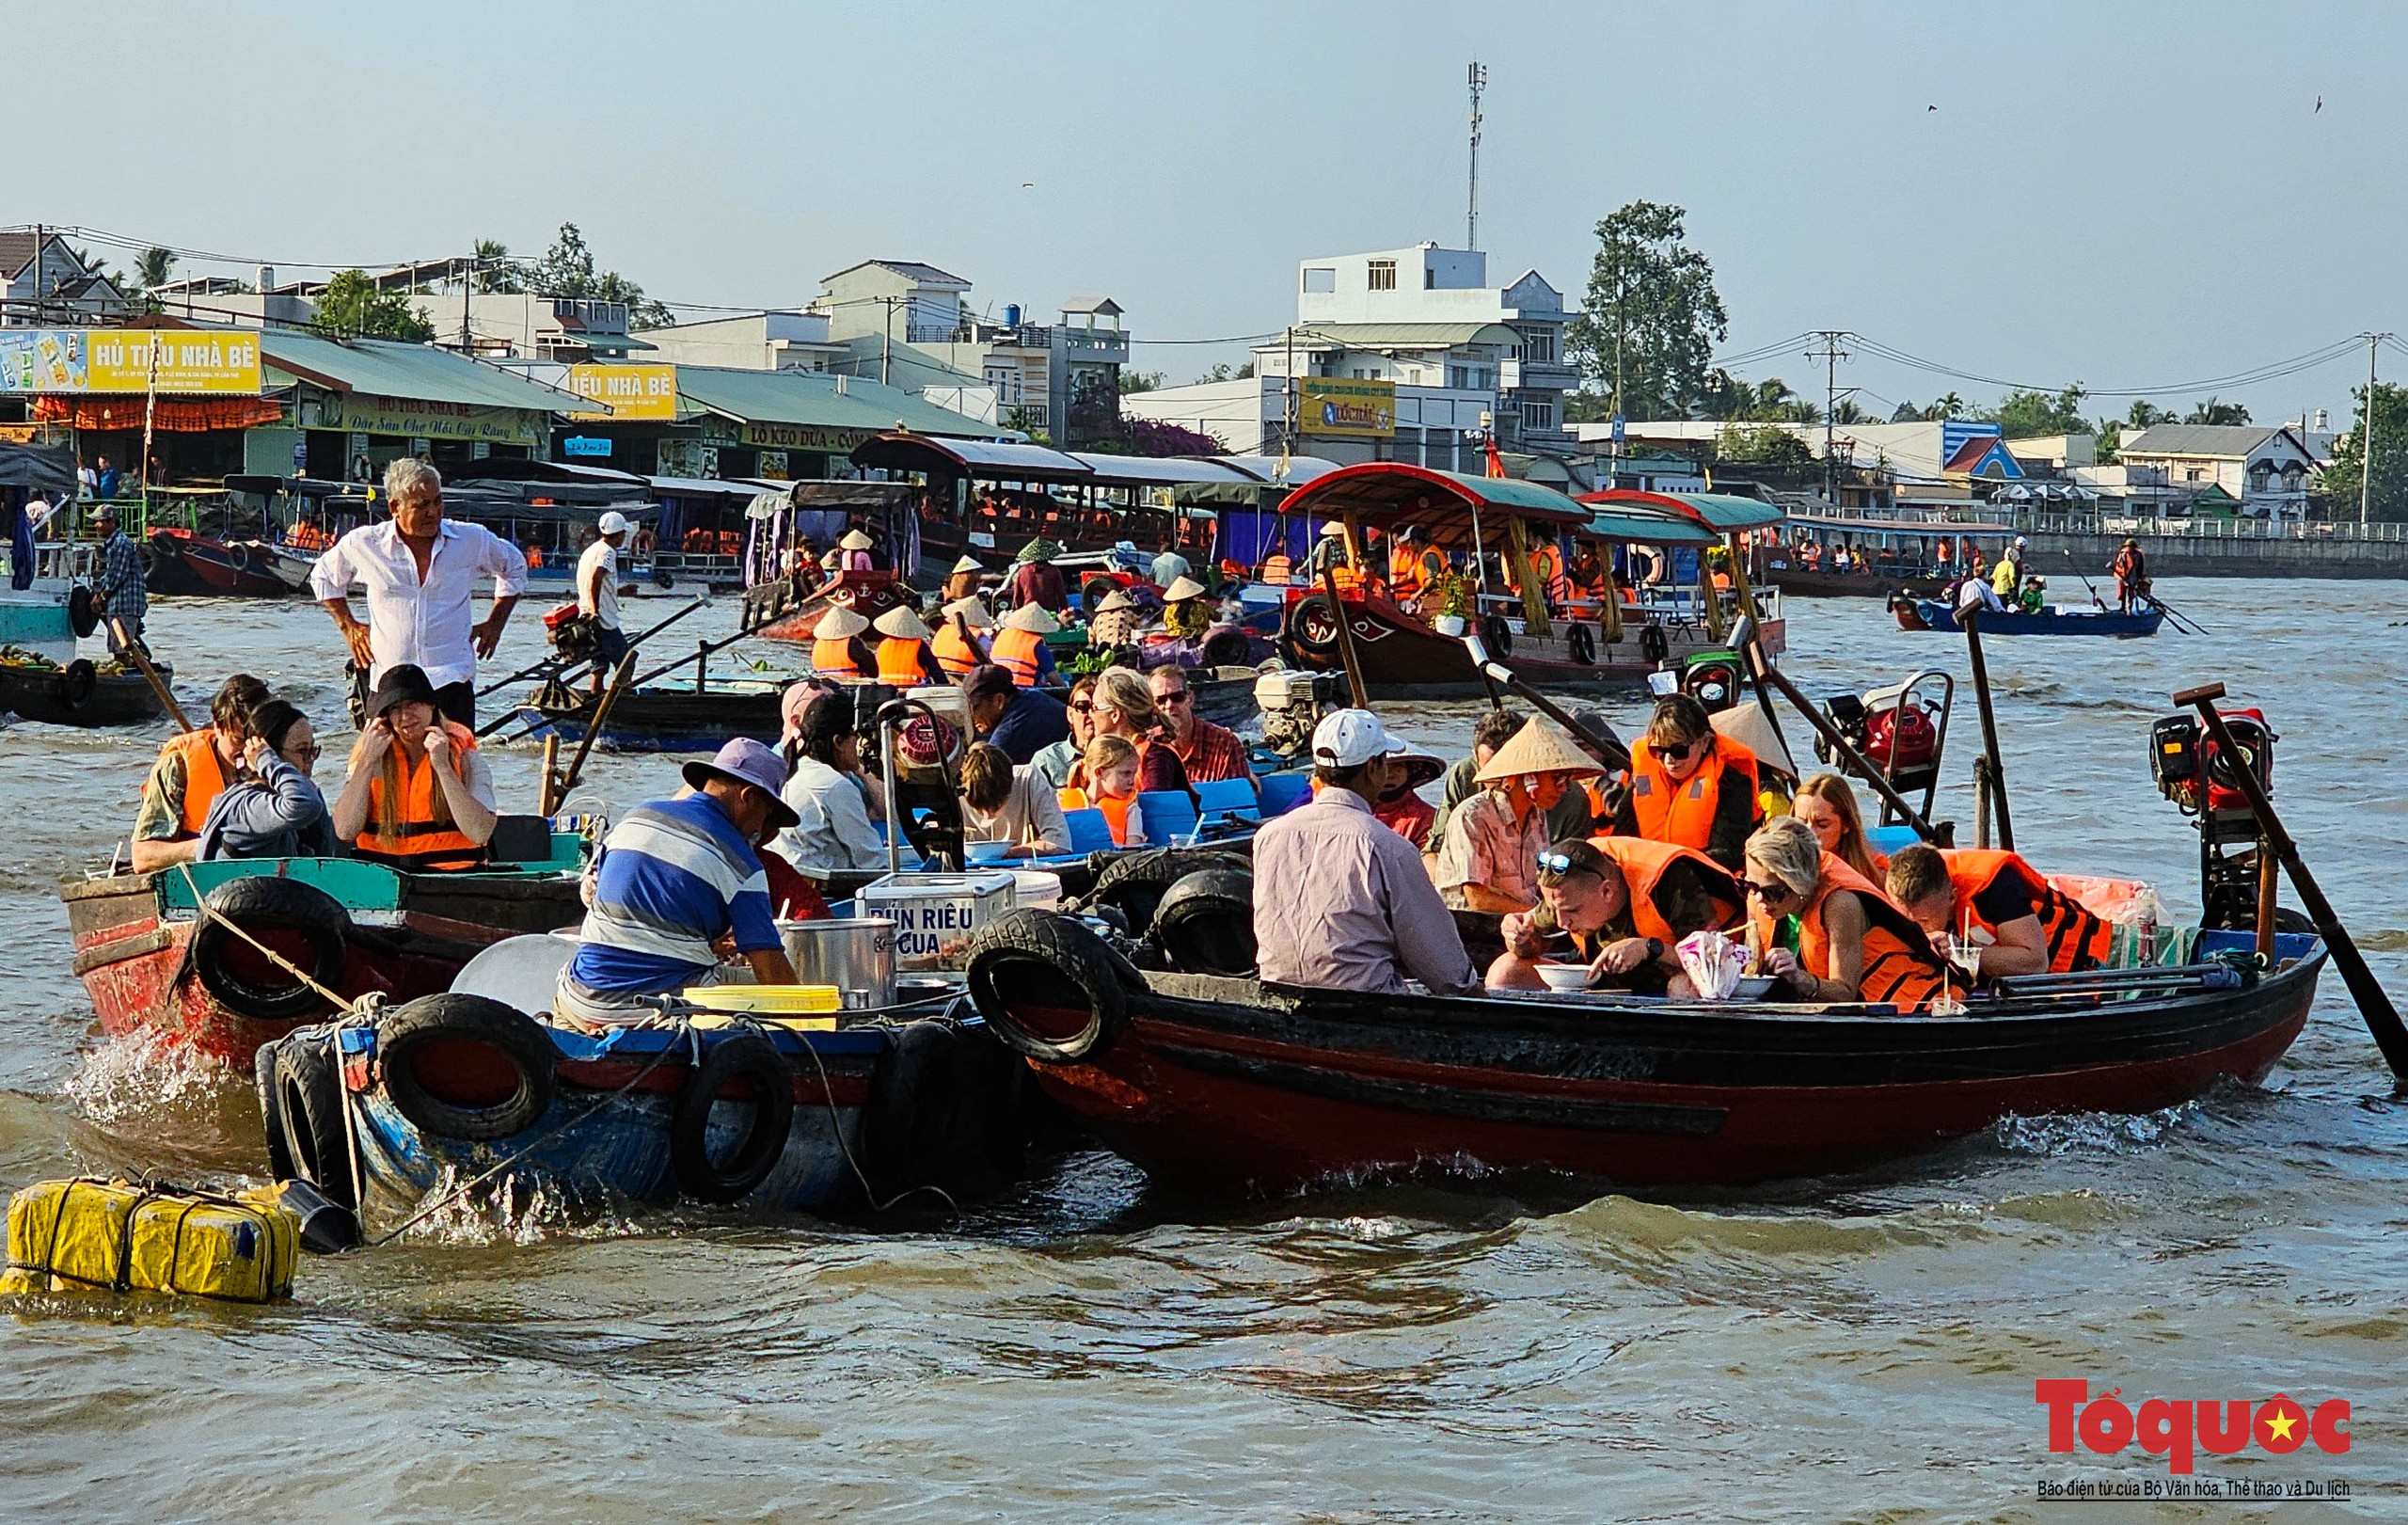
2224	556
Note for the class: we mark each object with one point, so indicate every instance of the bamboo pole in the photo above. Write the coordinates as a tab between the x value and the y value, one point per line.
1518	545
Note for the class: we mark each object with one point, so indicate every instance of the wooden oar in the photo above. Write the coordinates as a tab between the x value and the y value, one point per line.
1345	640
557	786
1992	776
2181	620
132	651
2374	1004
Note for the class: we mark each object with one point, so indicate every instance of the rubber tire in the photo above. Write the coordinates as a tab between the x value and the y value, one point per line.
238	556
1206	923
1654	644
2288	920
264	902
1134	883
1094	589
1583	643
82	610
1296	628
754	1058
1227	648
922	1124
279	1154
663	578
1496	636
76	683
310	1108
403	1030
1025	948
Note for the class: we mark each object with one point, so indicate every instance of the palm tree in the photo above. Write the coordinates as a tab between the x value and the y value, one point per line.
1944	408
495	271
154	269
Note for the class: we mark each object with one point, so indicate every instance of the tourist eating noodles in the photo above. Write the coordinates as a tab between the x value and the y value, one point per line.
192	770
675	876
419	796
1340	901
1828	933
1690	785
1010	804
278	811
1488	861
1021	722
1209	752
1625	904
1998	902
420	571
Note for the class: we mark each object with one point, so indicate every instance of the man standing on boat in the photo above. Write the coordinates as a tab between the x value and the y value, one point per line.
597	592
1169	566
1342	901
2132	575
421	570
123	596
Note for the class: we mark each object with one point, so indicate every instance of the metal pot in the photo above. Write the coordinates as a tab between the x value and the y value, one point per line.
857	956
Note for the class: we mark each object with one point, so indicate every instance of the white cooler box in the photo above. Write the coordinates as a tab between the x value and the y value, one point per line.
936	915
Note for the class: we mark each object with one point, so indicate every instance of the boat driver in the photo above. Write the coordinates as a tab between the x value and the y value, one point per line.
192	770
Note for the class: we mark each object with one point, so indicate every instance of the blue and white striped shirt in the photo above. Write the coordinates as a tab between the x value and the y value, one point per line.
675	876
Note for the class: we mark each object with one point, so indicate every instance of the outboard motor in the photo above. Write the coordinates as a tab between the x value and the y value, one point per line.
1712	678
1292	703
2201	779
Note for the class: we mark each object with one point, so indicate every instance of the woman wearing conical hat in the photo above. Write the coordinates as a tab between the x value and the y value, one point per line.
960	646
1186	612
837	650
1037	580
1490	858
1019	646
853	551
1114	623
904	660
962	582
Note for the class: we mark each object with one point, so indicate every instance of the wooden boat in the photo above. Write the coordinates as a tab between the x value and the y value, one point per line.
2054	619
80	694
188	562
1896	555
784	610
667	718
357	925
1228	1084
1412	653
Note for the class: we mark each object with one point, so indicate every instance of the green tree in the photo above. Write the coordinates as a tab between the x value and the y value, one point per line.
1760	444
496	272
2022	413
2343	474
154	269
1652	316
351	306
1941	408
2214	412
1847	411
568	269
2144	414
1140	381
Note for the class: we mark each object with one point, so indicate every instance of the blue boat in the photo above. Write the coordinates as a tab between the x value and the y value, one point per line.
2054	619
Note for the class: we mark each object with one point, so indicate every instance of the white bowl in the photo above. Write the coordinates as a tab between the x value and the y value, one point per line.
1564	976
1753	986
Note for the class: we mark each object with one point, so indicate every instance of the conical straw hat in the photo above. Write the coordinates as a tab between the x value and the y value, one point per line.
1539	747
1032	617
839	624
968	563
1746	725
855	540
1115	600
973	613
900	622
1183	588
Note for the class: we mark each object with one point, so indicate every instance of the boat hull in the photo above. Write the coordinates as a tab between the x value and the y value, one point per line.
1223	1084
117	698
1403	657
644	720
185	563
1931	614
134	954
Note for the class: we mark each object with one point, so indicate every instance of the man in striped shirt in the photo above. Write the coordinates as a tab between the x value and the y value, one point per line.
677	876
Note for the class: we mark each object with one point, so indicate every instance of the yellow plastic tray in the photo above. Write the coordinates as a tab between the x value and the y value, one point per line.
803	1007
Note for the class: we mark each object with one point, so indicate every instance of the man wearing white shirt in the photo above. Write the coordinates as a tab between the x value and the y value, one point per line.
420	571
597	591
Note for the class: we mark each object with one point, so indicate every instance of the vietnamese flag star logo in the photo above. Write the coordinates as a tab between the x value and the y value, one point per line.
2282	1426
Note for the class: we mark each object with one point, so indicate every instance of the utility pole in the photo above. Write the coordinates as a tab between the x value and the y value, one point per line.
468	284
886	341
1830	355
2366	440
1471	215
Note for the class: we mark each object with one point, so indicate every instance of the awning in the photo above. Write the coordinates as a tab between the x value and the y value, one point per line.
1719	511
418	372
1615	523
1441	503
1163	470
990	460
37	466
168	415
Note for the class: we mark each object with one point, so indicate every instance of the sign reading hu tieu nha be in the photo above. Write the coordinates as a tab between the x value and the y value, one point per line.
86	360
625	391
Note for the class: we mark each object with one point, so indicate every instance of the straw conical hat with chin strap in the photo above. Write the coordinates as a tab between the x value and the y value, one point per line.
1033	618
973	613
1539	747
1746	725
839	624
967	563
855	540
1183	588
902	625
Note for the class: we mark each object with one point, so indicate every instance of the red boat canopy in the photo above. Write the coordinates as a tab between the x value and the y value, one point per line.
1440	503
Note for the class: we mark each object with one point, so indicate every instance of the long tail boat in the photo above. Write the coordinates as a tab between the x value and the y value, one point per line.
2054	619
1412	648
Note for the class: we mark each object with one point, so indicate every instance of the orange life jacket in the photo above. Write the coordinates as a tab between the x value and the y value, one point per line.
834	659
423	844
1405	572
1277	569
1644	865
898	662
204	776
1900	966
2077	937
1116	811
1015	651
1682	813
957	649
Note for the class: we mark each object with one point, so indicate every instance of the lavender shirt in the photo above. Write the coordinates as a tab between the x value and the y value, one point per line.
1342	902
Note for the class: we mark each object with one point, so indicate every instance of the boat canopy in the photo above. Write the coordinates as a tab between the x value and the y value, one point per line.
1935	529
1720	512
992	460
1633	523
1441	503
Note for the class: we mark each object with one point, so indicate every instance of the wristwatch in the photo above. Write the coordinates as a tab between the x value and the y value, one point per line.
1655	950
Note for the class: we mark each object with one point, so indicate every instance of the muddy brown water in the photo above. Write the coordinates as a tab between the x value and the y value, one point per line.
1093	1348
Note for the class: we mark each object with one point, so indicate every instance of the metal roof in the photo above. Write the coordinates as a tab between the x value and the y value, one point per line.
1163	470
1635	522
993	459
2212	441
1938	529
1720	511
912	268
386	368
811	398
1393	491
1402	335
1265	468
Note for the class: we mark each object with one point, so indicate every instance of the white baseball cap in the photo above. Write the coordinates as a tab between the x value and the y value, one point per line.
1350	738
614	522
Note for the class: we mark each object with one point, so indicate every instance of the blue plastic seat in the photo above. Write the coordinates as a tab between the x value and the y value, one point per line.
1228	799
1166	814
1283	792
1089	831
1887	840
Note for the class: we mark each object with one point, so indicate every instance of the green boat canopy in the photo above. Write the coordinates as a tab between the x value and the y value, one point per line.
1632	523
1720	512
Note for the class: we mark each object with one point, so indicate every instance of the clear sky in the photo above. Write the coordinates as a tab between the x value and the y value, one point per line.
2128	194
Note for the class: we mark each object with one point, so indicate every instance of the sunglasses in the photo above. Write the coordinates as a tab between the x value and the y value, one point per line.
1691	750
1559	865
1774	891
1082	705
1177	696
304	753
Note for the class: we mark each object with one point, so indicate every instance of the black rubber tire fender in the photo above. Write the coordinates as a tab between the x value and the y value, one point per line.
1094	588
754	1059
1582	640
1311	606
1135	882
917	1128
279	1155
238	556
1032	957
1227	648
1654	644
310	1109
663	578
410	1035
76	683
1206	922
82	610
1496	636
264	903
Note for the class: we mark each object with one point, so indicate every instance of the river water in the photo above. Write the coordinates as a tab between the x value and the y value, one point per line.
1091	1349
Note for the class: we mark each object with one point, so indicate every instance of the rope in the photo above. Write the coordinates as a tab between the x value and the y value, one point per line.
210	913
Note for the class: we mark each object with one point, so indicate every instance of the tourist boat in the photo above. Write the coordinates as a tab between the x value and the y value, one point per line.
2052	619
1228	1084
38	617
666	717
153	961
1886	556
187	561
1416	653
80	693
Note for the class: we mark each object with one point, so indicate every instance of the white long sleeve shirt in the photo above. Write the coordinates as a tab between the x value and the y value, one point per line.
427	625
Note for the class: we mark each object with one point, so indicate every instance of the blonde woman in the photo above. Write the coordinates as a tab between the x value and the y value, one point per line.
1827	803
1124	708
419	796
1849	943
